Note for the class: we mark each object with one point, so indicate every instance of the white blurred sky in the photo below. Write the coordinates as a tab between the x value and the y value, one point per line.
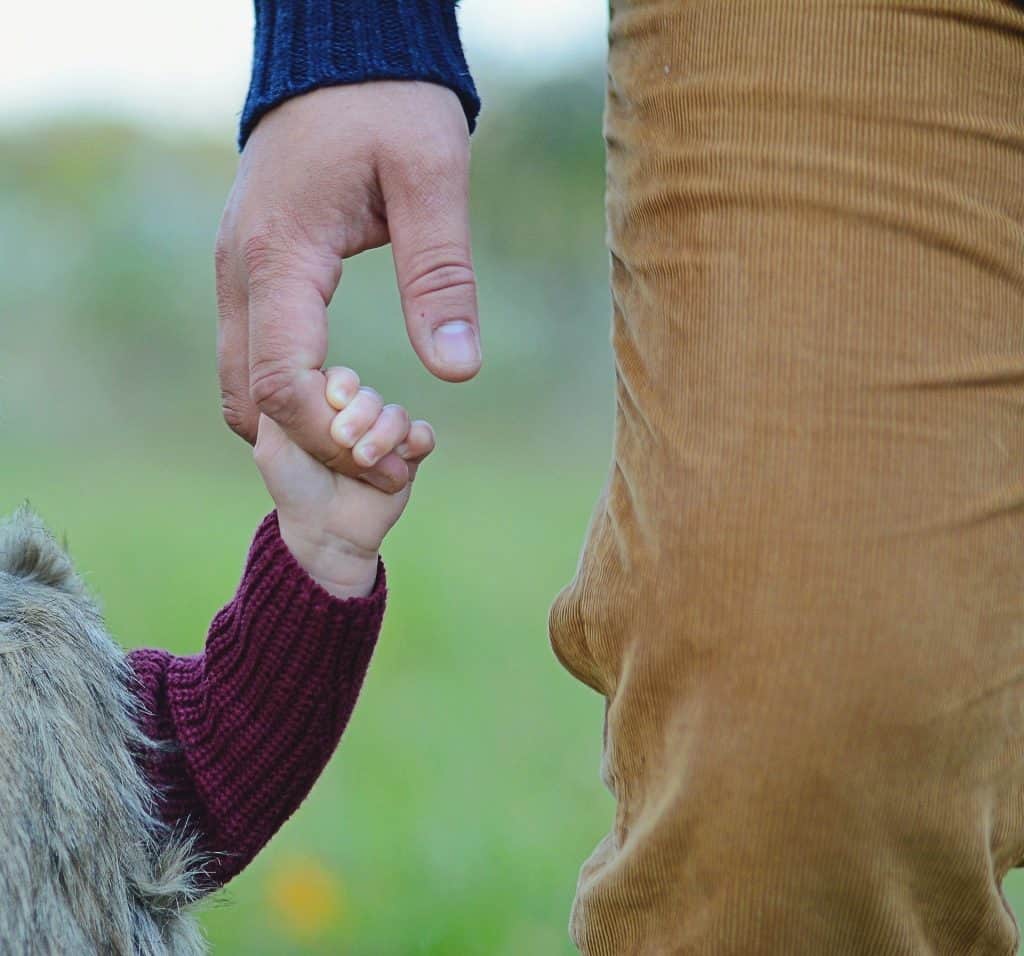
186	62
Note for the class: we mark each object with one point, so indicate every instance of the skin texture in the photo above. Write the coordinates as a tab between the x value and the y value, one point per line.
323	177
331	523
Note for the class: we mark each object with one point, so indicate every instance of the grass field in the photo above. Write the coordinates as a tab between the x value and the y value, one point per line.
465	793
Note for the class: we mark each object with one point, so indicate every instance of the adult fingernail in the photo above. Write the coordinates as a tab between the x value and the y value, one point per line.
456	344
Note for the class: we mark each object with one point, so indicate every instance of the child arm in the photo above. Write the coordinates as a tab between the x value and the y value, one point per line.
252	721
247	726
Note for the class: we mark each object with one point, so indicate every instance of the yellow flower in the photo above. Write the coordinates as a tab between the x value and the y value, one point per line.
307	896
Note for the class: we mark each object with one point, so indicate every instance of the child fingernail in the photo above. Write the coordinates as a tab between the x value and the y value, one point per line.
368	453
340	397
402	450
343	435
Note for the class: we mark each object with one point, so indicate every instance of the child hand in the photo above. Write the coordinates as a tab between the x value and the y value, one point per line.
332	524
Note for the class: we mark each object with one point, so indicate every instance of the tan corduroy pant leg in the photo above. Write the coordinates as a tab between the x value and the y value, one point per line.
802	593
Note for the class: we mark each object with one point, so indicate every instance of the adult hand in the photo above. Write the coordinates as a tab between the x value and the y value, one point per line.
325	176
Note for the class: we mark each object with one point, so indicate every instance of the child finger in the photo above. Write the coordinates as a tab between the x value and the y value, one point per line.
359	415
342	386
419	443
390	429
417	446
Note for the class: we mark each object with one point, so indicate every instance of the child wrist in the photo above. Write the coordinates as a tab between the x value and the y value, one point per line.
342	567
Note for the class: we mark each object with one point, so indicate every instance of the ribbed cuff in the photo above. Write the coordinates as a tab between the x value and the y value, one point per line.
283	625
301	45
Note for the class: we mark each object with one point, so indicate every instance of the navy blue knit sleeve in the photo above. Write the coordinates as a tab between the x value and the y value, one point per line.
304	44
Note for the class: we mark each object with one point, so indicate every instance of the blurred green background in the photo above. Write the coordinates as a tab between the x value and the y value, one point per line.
465	793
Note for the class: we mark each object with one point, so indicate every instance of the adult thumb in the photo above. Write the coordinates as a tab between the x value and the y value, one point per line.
428	223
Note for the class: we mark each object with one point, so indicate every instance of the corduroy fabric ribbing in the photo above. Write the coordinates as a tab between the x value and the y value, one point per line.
250	723
301	45
802	594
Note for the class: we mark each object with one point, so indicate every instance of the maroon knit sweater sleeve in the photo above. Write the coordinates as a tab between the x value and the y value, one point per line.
250	723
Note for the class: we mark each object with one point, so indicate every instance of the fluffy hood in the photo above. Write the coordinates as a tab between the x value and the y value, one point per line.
85	867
